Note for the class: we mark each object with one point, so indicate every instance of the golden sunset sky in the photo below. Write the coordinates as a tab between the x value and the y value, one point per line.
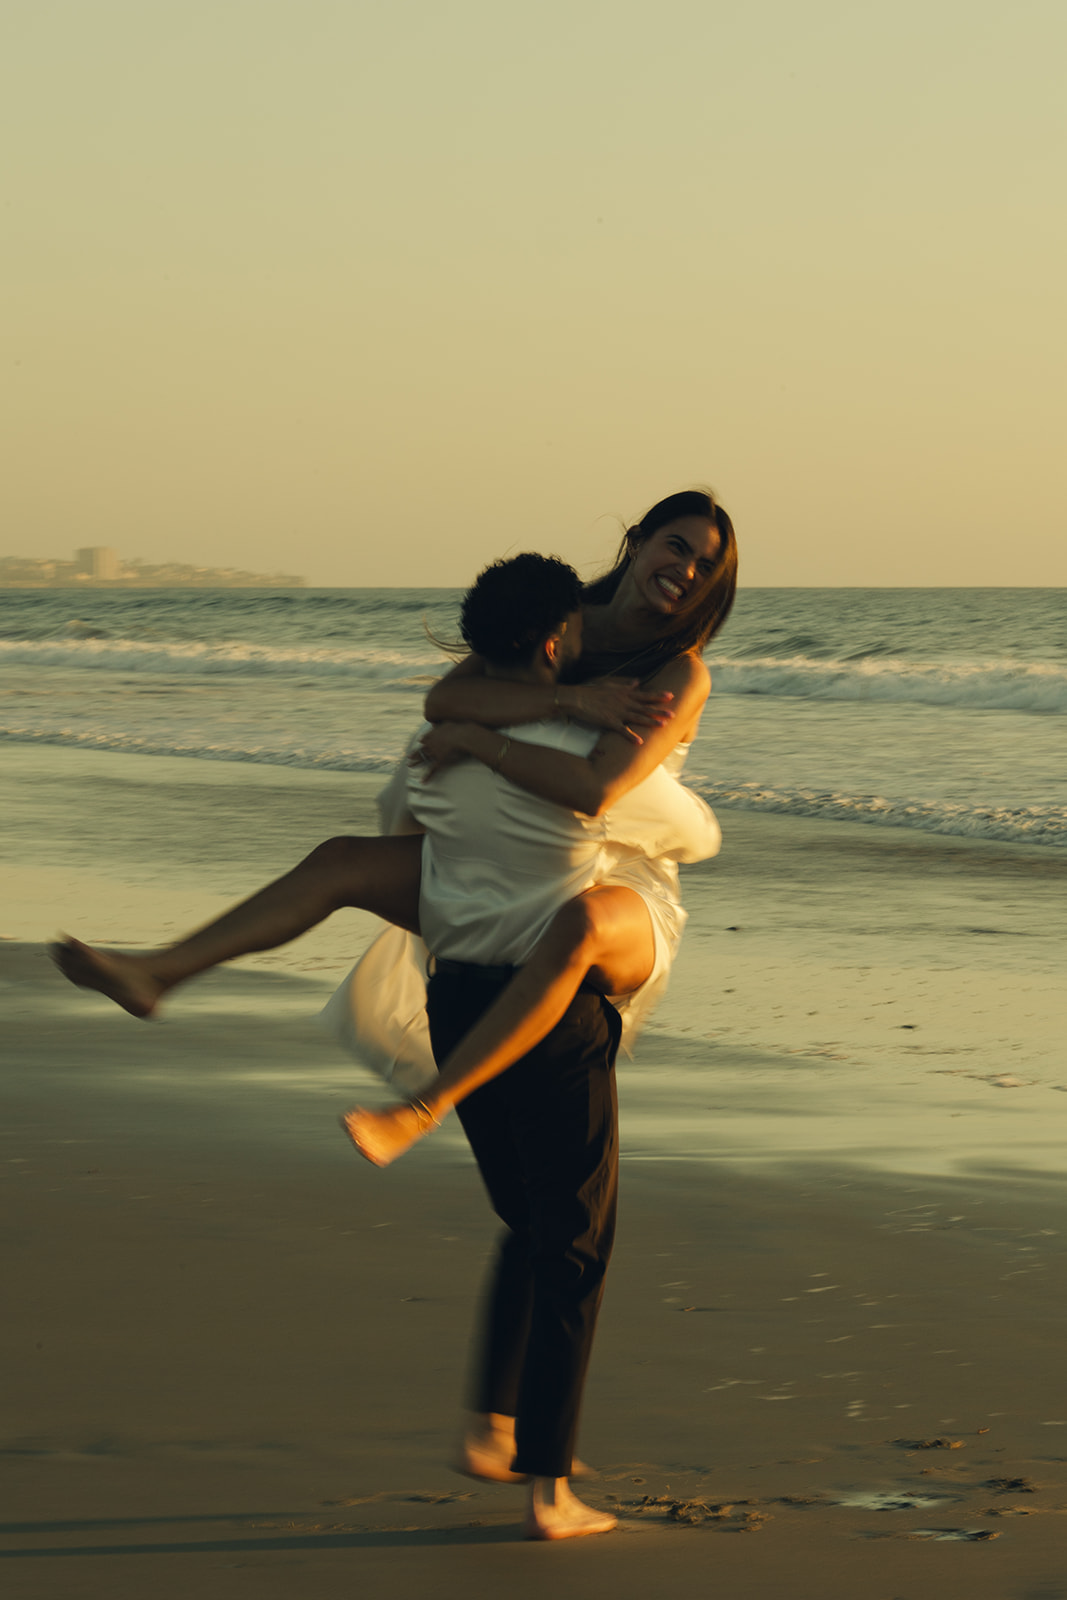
374	292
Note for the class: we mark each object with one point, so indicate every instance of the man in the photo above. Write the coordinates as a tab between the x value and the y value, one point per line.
498	863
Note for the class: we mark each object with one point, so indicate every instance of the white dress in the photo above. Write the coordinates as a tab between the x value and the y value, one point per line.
379	1012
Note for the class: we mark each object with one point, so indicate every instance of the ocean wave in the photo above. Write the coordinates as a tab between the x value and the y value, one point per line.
217	750
235	657
968	685
997	685
1043	825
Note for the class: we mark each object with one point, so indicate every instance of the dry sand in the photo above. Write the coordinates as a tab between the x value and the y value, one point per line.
830	1358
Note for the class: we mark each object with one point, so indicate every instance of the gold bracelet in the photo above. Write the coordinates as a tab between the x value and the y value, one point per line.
505	747
425	1116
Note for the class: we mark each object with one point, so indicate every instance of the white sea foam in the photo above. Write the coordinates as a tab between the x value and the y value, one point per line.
970	685
215	750
1038	825
1043	825
236	657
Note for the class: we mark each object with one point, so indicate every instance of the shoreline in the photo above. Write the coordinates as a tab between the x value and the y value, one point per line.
47	757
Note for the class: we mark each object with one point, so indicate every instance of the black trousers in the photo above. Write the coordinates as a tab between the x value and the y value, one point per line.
545	1137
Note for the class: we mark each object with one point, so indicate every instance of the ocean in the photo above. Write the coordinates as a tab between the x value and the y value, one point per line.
933	709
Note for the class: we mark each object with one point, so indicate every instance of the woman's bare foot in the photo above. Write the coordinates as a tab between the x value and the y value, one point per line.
123	979
487	1449
381	1136
553	1512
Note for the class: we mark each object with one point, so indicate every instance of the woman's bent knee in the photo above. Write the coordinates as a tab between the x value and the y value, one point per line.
617	943
578	929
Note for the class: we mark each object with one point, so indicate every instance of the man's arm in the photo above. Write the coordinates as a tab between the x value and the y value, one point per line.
466	695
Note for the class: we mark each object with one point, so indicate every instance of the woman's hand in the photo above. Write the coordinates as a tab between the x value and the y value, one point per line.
444	745
616	704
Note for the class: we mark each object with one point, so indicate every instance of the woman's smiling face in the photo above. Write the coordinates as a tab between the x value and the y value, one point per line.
673	567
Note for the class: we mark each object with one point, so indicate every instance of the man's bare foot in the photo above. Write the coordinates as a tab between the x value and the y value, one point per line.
381	1136
121	978
487	1449
553	1512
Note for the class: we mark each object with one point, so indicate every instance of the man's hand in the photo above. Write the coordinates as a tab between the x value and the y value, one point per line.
618	704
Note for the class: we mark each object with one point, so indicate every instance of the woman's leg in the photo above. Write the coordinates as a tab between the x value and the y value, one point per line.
378	875
605	935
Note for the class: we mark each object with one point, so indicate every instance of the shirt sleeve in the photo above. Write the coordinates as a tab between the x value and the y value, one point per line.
394	807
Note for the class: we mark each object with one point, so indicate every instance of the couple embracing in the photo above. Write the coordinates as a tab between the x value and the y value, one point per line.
545	887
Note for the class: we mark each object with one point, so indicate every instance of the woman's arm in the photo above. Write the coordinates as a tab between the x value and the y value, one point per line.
466	695
590	784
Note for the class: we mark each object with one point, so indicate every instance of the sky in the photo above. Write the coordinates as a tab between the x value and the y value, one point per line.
374	291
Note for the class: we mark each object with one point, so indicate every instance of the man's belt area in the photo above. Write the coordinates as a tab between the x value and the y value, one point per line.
477	973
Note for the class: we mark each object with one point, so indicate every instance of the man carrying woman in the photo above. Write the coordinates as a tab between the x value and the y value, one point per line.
645	624
498	863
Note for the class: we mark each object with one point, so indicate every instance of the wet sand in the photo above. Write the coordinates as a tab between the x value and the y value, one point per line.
830	1356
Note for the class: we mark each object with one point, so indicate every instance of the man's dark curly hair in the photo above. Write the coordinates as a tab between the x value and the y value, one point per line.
513	606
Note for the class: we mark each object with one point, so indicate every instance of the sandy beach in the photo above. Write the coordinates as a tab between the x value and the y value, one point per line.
829	1362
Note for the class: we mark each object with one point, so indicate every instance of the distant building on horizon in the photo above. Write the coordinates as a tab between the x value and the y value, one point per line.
98	561
99	566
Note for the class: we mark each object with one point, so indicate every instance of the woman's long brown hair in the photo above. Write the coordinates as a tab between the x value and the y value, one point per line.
692	632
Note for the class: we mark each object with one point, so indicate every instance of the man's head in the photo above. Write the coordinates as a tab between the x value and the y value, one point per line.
524	614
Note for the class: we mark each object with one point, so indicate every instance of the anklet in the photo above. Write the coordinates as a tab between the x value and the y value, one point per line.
425	1115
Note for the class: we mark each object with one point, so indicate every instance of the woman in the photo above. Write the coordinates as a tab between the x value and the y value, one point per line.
669	591
648	619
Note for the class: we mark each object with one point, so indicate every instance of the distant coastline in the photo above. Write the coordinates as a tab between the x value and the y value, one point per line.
99	567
